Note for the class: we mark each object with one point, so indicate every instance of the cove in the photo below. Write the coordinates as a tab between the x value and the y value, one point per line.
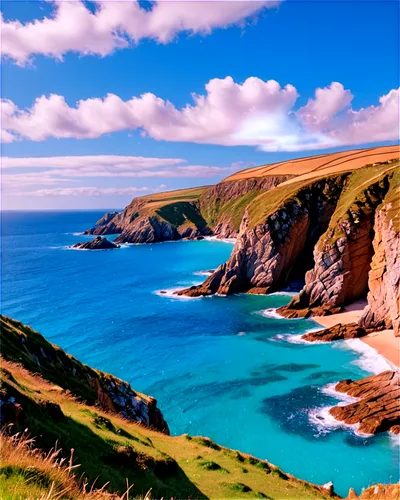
218	366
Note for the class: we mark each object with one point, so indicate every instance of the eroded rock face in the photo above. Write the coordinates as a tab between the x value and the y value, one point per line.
377	492
21	344
337	332
98	243
377	408
103	221
148	230
383	309
342	257
264	256
213	202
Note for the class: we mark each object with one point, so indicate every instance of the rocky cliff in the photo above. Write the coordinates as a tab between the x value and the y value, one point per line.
21	344
278	230
327	229
377	406
342	256
158	217
383	308
224	204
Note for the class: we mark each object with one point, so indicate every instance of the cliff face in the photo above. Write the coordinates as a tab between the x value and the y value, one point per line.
21	344
155	218
343	254
328	230
291	220
224	204
383	308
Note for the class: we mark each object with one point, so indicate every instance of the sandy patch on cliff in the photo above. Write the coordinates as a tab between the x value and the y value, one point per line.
384	342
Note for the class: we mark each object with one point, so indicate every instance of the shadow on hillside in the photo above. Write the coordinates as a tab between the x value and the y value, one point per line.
102	459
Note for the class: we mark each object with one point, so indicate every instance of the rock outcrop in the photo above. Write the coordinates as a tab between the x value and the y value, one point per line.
337	332
21	344
266	253
224	204
103	221
343	254
377	492
98	243
377	407
158	217
383	310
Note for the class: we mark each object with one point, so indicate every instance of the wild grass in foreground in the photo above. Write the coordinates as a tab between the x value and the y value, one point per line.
27	473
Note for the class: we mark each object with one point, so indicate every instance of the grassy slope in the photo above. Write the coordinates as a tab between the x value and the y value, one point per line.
392	201
356	195
267	203
313	166
179	208
232	210
112	449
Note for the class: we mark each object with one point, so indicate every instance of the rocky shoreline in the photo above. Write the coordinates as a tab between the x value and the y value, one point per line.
377	409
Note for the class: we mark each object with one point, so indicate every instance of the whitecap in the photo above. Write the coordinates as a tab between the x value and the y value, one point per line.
370	360
325	422
170	294
203	273
223	240
288	293
344	399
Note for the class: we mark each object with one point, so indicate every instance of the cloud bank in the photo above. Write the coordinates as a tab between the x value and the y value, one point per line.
20	174
113	25
85	191
254	113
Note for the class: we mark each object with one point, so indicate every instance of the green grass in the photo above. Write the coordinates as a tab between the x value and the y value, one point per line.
114	450
391	202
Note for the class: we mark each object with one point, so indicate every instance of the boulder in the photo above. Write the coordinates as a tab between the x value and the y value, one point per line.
98	243
337	332
377	407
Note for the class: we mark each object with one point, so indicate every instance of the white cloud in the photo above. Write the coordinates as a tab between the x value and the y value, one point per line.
85	191
72	27
22	174
114	162
255	113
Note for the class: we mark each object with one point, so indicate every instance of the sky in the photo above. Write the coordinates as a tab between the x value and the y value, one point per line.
105	101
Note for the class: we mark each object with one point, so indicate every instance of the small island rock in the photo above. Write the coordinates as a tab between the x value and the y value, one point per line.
98	243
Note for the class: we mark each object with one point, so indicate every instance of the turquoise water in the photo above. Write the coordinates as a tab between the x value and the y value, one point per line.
219	366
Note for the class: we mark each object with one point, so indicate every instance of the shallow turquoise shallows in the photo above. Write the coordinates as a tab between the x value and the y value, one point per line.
221	367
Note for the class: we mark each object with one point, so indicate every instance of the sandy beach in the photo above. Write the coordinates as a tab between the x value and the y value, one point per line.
384	342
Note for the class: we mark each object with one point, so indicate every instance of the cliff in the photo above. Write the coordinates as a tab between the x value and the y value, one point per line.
72	432
331	231
383	308
158	217
343	254
219	210
21	344
224	204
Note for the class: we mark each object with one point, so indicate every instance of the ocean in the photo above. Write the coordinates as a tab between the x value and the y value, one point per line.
224	367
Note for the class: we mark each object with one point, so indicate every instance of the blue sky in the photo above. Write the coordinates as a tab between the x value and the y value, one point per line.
306	45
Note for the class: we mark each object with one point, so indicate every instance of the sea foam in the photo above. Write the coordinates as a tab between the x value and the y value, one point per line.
370	360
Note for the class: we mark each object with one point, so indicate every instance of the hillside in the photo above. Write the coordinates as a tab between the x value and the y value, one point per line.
58	406
219	209
329	229
156	217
